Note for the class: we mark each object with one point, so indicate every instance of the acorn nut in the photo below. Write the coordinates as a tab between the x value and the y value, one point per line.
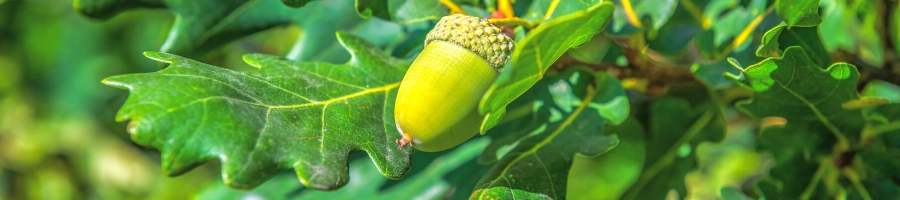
436	106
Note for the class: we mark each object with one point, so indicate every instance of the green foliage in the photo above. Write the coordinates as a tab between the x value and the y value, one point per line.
815	118
368	9
540	48
295	3
687	116
798	12
621	99
366	182
630	13
853	26
567	117
288	115
780	38
731	31
649	163
824	131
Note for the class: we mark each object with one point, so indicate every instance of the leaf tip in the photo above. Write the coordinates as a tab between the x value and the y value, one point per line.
251	60
735	77
113	81
340	35
491	119
159	56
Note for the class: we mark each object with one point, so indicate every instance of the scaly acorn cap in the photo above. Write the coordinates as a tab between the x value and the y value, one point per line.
476	34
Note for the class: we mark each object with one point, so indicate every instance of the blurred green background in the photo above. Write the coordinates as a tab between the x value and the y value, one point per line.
58	137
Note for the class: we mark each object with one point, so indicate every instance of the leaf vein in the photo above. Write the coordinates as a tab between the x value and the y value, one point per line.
588	98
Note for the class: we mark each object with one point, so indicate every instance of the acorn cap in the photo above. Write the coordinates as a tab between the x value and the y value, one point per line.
476	34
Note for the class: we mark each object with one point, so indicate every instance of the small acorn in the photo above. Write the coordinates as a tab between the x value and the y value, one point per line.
436	107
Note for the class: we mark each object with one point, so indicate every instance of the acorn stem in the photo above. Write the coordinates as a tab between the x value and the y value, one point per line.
403	142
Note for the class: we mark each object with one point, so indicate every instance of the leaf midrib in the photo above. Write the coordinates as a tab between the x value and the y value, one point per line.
831	127
588	98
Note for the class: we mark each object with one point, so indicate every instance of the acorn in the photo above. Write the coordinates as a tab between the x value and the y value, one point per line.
436	107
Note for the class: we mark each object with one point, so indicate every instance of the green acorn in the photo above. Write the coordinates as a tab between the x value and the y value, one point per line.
436	107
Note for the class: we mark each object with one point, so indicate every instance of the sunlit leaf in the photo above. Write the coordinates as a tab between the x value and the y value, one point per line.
203	25
287	115
803	13
539	49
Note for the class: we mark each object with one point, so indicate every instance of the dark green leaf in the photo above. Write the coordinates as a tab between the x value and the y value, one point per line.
796	89
369	8
203	25
412	11
884	164
288	115
295	3
366	182
428	184
567	118
609	175
711	72
678	123
538	50
809	98
894	29
311	46
776	40
803	13
107	8
598	50
733	31
678	33
318	21
402	12
732	193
